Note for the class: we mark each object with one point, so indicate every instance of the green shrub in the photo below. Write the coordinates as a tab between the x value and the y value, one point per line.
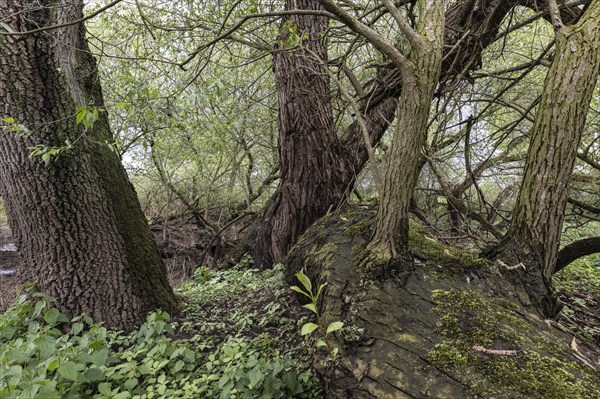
44	355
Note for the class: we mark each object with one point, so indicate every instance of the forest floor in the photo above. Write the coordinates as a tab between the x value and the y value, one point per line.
255	316
578	285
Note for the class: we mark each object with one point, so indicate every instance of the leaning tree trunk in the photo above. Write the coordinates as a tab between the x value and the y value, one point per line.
306	133
77	222
388	249
534	235
310	156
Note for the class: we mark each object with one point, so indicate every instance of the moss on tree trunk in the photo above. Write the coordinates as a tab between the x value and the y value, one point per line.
76	219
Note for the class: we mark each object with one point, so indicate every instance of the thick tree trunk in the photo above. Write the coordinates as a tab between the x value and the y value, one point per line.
389	247
310	156
534	235
303	195
78	225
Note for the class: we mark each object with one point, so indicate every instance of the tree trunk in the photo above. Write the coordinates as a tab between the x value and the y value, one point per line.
310	156
77	222
534	235
307	138
389	247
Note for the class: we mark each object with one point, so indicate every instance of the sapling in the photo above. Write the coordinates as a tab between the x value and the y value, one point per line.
310	327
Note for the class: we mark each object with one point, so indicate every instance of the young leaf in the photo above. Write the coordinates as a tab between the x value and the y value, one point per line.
80	113
320	289
320	343
308	328
311	307
303	278
300	291
336	325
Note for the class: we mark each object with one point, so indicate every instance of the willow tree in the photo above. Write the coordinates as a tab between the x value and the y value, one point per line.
530	249
312	164
76	219
319	163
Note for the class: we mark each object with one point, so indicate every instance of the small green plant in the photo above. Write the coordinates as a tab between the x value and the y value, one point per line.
309	328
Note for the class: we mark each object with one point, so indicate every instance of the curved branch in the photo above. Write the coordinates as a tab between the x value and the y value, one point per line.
576	250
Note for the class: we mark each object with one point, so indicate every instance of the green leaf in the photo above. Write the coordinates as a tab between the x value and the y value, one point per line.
300	291
68	370
336	325
303	278
122	395
77	328
308	328
53	364
80	113
255	376
320	289
99	357
104	388
178	366
131	383
311	307
51	316
94	374
320	343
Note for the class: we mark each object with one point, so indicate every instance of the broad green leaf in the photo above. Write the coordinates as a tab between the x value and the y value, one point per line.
104	388
68	370
80	113
94	374
308	328
320	343
99	357
53	364
336	325
255	376
51	316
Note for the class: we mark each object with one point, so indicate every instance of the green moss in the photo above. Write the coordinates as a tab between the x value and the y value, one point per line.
468	320
449	257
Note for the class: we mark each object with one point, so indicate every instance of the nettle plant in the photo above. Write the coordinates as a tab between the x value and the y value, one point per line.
320	327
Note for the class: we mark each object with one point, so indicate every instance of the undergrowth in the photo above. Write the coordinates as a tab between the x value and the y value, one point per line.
233	342
578	286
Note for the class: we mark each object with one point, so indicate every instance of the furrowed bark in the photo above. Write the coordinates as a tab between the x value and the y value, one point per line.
78	225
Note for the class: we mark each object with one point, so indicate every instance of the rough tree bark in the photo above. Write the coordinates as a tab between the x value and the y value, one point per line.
471	25
310	155
77	222
388	249
534	235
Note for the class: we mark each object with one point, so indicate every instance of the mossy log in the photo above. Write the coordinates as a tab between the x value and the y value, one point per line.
455	329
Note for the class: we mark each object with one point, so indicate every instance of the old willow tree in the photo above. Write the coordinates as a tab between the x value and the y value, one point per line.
533	238
76	219
319	163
